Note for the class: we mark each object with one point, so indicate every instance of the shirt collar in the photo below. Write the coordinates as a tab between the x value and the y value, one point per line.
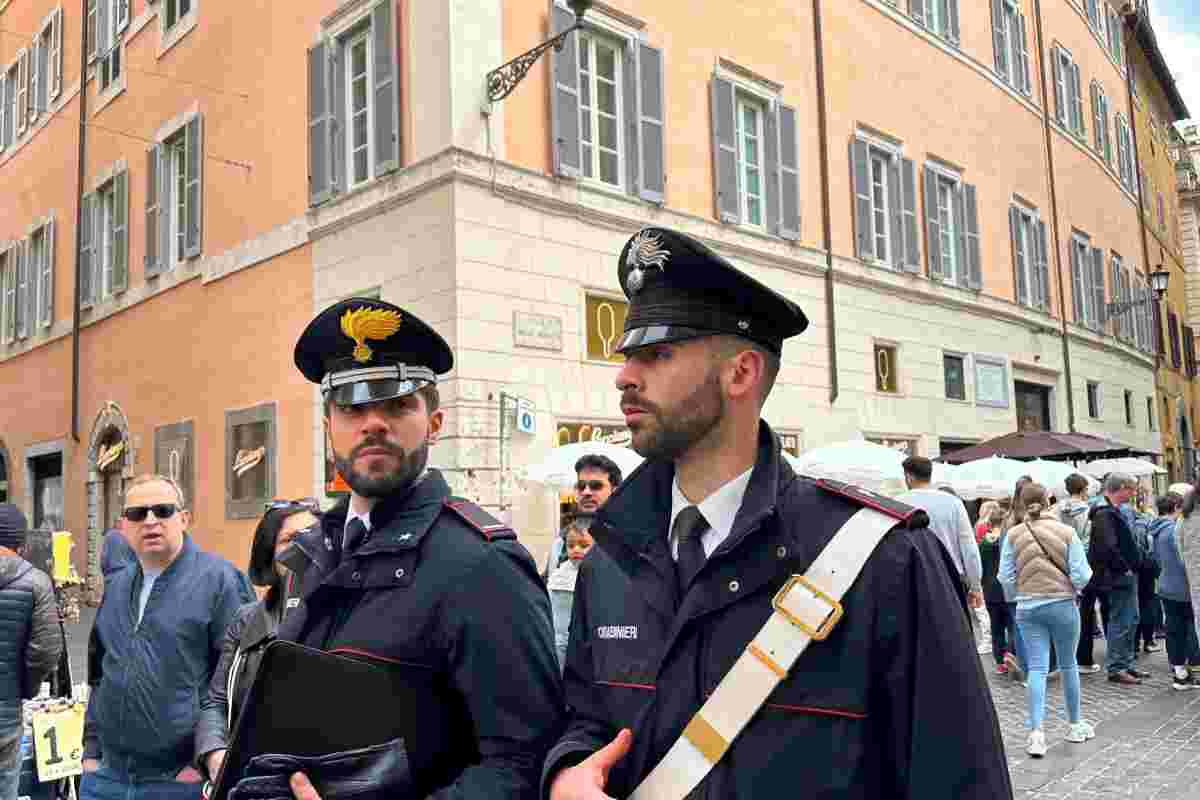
719	509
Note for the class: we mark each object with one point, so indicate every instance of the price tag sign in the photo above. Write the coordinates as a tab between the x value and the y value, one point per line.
58	742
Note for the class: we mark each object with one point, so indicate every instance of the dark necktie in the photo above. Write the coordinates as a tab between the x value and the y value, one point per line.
689	526
356	534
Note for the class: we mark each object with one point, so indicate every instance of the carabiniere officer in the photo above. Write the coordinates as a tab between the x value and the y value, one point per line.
403	572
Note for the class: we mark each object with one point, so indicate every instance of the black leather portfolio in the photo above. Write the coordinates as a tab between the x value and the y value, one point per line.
308	702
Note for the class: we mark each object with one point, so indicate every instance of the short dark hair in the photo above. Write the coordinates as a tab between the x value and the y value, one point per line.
1076	483
601	463
579	522
728	346
919	467
1169	503
262	549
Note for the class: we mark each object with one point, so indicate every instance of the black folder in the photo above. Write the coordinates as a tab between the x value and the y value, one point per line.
308	702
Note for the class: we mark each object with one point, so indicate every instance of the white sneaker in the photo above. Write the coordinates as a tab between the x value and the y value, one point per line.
1037	744
1081	731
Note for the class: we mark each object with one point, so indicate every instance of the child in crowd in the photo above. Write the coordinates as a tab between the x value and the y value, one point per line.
562	581
999	615
1174	589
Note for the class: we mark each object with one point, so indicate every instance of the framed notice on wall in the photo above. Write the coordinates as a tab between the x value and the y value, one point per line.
991	382
174	456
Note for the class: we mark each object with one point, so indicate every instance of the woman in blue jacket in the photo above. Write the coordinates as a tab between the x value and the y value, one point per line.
1174	589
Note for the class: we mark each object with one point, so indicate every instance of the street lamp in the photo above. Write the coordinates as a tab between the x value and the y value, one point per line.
503	79
1158	282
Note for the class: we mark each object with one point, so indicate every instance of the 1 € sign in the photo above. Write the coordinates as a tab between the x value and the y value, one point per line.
58	742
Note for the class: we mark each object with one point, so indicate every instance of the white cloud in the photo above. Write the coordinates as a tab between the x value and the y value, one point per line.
1180	47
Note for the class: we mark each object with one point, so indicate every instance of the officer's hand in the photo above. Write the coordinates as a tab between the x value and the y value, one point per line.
91	764
302	788
585	780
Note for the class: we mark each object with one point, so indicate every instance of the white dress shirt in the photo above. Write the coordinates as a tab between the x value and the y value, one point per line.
719	509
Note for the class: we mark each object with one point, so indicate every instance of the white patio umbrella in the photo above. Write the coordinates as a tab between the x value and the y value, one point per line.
866	464
1053	475
1181	489
1137	467
557	469
988	478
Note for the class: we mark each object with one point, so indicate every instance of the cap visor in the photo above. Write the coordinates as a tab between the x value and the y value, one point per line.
657	334
362	392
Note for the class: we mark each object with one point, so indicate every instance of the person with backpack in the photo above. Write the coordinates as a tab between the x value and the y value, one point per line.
1144	530
1174	589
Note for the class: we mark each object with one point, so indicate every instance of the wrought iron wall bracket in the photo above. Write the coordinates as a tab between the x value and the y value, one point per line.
1113	309
503	79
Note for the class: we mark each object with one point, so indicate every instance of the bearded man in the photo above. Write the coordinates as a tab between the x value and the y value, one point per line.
689	668
406	575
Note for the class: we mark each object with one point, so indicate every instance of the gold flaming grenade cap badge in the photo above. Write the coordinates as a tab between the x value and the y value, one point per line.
361	324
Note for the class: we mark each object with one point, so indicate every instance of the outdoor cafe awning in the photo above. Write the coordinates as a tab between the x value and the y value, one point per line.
1050	445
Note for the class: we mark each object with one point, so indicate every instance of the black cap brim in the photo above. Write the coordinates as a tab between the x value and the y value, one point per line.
657	334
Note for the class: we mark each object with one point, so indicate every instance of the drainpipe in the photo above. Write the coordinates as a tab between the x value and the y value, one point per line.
79	219
826	220
1058	266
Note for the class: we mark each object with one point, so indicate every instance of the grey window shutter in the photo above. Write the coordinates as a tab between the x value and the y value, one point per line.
47	291
30	269
18	251
122	15
56	55
652	181
194	186
86	265
1107	131
864	221
22	90
120	233
974	257
564	97
1020	285
1114	275
168	241
628	134
952	31
1127	296
916	9
34	78
771	169
1121	152
725	169
387	121
1023	43
6	286
1060	89
102	18
336	76
1077	92
998	42
960	244
151	264
789	175
319	120
1098	290
3	108
1078	286
1043	267
908	187
933	226
895	210
1096	117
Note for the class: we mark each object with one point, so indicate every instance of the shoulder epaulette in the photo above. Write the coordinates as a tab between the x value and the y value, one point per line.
479	520
911	516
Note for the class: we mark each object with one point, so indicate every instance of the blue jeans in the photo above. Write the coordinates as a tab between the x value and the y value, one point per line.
10	763
105	784
1057	622
1122	626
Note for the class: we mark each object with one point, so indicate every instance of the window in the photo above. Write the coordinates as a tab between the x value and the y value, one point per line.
174	10
885	206
1100	122
1115	30
939	16
1128	407
1124	152
750	168
1150	413
1093	14
104	251
886	378
1010	43
599	109
1067	95
20	77
1173	333
1189	351
92	14
1031	275
353	130
951	218
603	323
174	198
8	114
755	156
111	20
1087	282
1093	399
955	371
1141	315
8	294
1120	291
41	276
20	307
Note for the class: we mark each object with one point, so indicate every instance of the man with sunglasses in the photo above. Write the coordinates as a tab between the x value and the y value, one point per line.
410	578
595	478
156	639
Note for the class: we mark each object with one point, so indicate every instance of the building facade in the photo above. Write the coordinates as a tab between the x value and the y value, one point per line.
954	226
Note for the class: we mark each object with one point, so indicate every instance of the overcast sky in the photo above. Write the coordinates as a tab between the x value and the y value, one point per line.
1177	26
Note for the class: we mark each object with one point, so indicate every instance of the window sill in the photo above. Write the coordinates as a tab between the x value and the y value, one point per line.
169	38
962	402
112	92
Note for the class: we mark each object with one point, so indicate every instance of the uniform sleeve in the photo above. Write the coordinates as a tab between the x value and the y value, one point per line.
502	662
931	698
212	730
45	635
587	728
969	547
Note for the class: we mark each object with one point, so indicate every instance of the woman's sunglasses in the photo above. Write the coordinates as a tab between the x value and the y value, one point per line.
161	511
307	503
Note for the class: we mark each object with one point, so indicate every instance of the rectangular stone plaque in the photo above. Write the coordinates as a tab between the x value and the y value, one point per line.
540	331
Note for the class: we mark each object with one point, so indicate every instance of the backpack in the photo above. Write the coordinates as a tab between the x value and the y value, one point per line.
1145	546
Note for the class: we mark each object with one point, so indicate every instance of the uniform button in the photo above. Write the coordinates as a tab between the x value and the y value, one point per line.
734	586
356	576
400	572
781	551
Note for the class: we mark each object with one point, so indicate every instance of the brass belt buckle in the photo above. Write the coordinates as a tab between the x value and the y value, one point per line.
818	631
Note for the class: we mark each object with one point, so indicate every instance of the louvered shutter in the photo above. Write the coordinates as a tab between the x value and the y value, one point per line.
1101	315
33	268
1078	287
1095	92
1114	275
959	211
652	182
864	222
974	259
1159	344
789	175
1041	264
3	109
339	167
122	15
320	186
387	101
895	210
1121	153
120	233
933	226
725	151
56	55
629	145
168	240
1077	96
1000	50
102	21
1060	86
771	170
20	306
7	290
1023	43
564	97
952	30
908	189
22	91
1173	332
35	60
86	251
151	260
194	187
46	293
1020	283
916	9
